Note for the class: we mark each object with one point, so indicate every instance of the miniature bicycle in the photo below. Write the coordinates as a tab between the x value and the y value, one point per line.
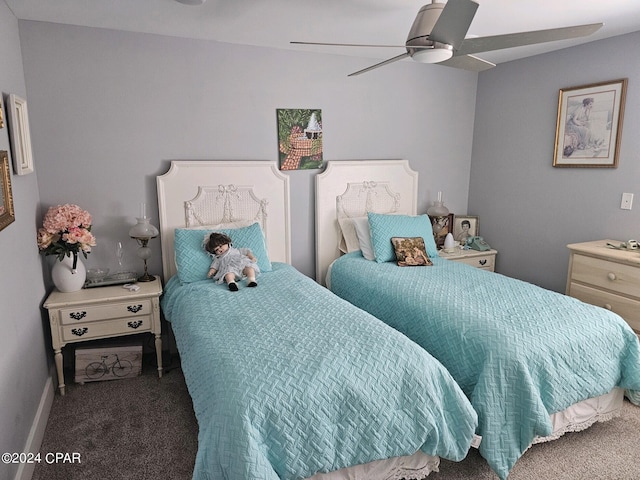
119	368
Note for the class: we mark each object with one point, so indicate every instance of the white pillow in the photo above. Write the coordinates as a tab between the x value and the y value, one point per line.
363	232
348	239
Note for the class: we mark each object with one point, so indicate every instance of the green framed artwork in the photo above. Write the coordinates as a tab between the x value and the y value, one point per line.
299	138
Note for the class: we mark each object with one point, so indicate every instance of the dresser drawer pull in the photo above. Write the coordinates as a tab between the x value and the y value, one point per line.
483	262
611	276
134	308
79	331
135	324
608	306
78	315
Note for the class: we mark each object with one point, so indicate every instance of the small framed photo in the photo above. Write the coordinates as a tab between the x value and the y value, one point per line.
441	226
589	125
20	135
465	227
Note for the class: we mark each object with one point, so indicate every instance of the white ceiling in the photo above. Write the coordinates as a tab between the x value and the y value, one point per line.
274	23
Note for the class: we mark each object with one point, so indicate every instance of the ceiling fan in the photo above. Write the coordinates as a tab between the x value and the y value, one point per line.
438	36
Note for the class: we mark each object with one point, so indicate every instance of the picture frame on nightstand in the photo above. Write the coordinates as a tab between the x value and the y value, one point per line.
441	226
464	227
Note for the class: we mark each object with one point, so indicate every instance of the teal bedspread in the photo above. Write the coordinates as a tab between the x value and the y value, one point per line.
518	351
288	380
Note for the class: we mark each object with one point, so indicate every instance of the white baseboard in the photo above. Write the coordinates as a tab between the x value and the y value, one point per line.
36	434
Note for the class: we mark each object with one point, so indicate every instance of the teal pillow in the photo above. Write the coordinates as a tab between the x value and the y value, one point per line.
384	227
193	261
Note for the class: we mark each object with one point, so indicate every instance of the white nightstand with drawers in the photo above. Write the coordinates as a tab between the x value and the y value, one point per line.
485	260
606	277
103	312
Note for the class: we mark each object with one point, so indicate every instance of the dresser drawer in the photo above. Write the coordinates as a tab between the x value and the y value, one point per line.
93	313
612	276
107	328
483	261
627	308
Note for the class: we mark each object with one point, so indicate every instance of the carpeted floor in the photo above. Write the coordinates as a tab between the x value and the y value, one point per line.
144	429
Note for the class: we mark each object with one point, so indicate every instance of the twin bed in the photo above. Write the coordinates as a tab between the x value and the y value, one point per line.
534	363
289	380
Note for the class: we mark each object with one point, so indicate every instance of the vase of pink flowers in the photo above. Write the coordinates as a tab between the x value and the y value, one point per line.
66	233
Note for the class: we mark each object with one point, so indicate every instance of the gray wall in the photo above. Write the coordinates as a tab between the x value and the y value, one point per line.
110	109
528	209
24	369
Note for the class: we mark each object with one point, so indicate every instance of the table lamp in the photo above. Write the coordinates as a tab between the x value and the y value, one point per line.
142	232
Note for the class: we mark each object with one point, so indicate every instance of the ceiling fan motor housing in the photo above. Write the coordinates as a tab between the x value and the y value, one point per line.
424	23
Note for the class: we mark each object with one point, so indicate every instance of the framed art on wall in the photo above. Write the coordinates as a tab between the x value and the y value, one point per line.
465	227
20	135
589	125
299	138
7	214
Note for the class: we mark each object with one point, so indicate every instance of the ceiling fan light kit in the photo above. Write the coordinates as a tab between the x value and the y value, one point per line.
438	33
438	53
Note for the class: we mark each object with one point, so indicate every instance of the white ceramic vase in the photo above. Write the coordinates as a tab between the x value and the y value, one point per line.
64	277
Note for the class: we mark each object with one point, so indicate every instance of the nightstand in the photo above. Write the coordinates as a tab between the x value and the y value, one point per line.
606	277
485	260
103	312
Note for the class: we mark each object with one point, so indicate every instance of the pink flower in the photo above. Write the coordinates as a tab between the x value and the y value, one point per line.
66	229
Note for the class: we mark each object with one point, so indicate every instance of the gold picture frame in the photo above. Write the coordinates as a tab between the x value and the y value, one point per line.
7	215
589	125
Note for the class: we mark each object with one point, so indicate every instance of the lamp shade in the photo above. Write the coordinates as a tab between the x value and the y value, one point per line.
438	209
143	229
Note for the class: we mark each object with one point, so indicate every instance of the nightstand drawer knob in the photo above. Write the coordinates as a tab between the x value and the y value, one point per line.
135	324
611	276
608	306
134	308
483	262
78	315
79	331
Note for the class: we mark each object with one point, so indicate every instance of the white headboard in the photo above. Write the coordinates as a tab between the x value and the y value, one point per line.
194	193
353	188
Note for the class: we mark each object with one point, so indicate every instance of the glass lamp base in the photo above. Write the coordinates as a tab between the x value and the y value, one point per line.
146	278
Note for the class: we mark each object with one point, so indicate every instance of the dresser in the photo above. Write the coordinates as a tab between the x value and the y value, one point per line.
103	312
606	277
485	260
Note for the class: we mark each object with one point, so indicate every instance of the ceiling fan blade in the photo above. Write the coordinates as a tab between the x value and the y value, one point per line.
346	44
498	42
453	23
386	62
468	62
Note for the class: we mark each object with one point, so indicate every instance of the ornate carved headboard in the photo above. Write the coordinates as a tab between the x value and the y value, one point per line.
202	193
353	188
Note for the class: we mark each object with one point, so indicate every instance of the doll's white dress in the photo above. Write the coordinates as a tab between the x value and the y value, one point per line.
233	260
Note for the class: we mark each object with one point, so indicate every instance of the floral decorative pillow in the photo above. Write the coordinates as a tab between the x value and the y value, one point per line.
410	251
384	227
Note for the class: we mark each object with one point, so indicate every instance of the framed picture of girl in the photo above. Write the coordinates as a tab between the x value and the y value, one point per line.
465	227
589	125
